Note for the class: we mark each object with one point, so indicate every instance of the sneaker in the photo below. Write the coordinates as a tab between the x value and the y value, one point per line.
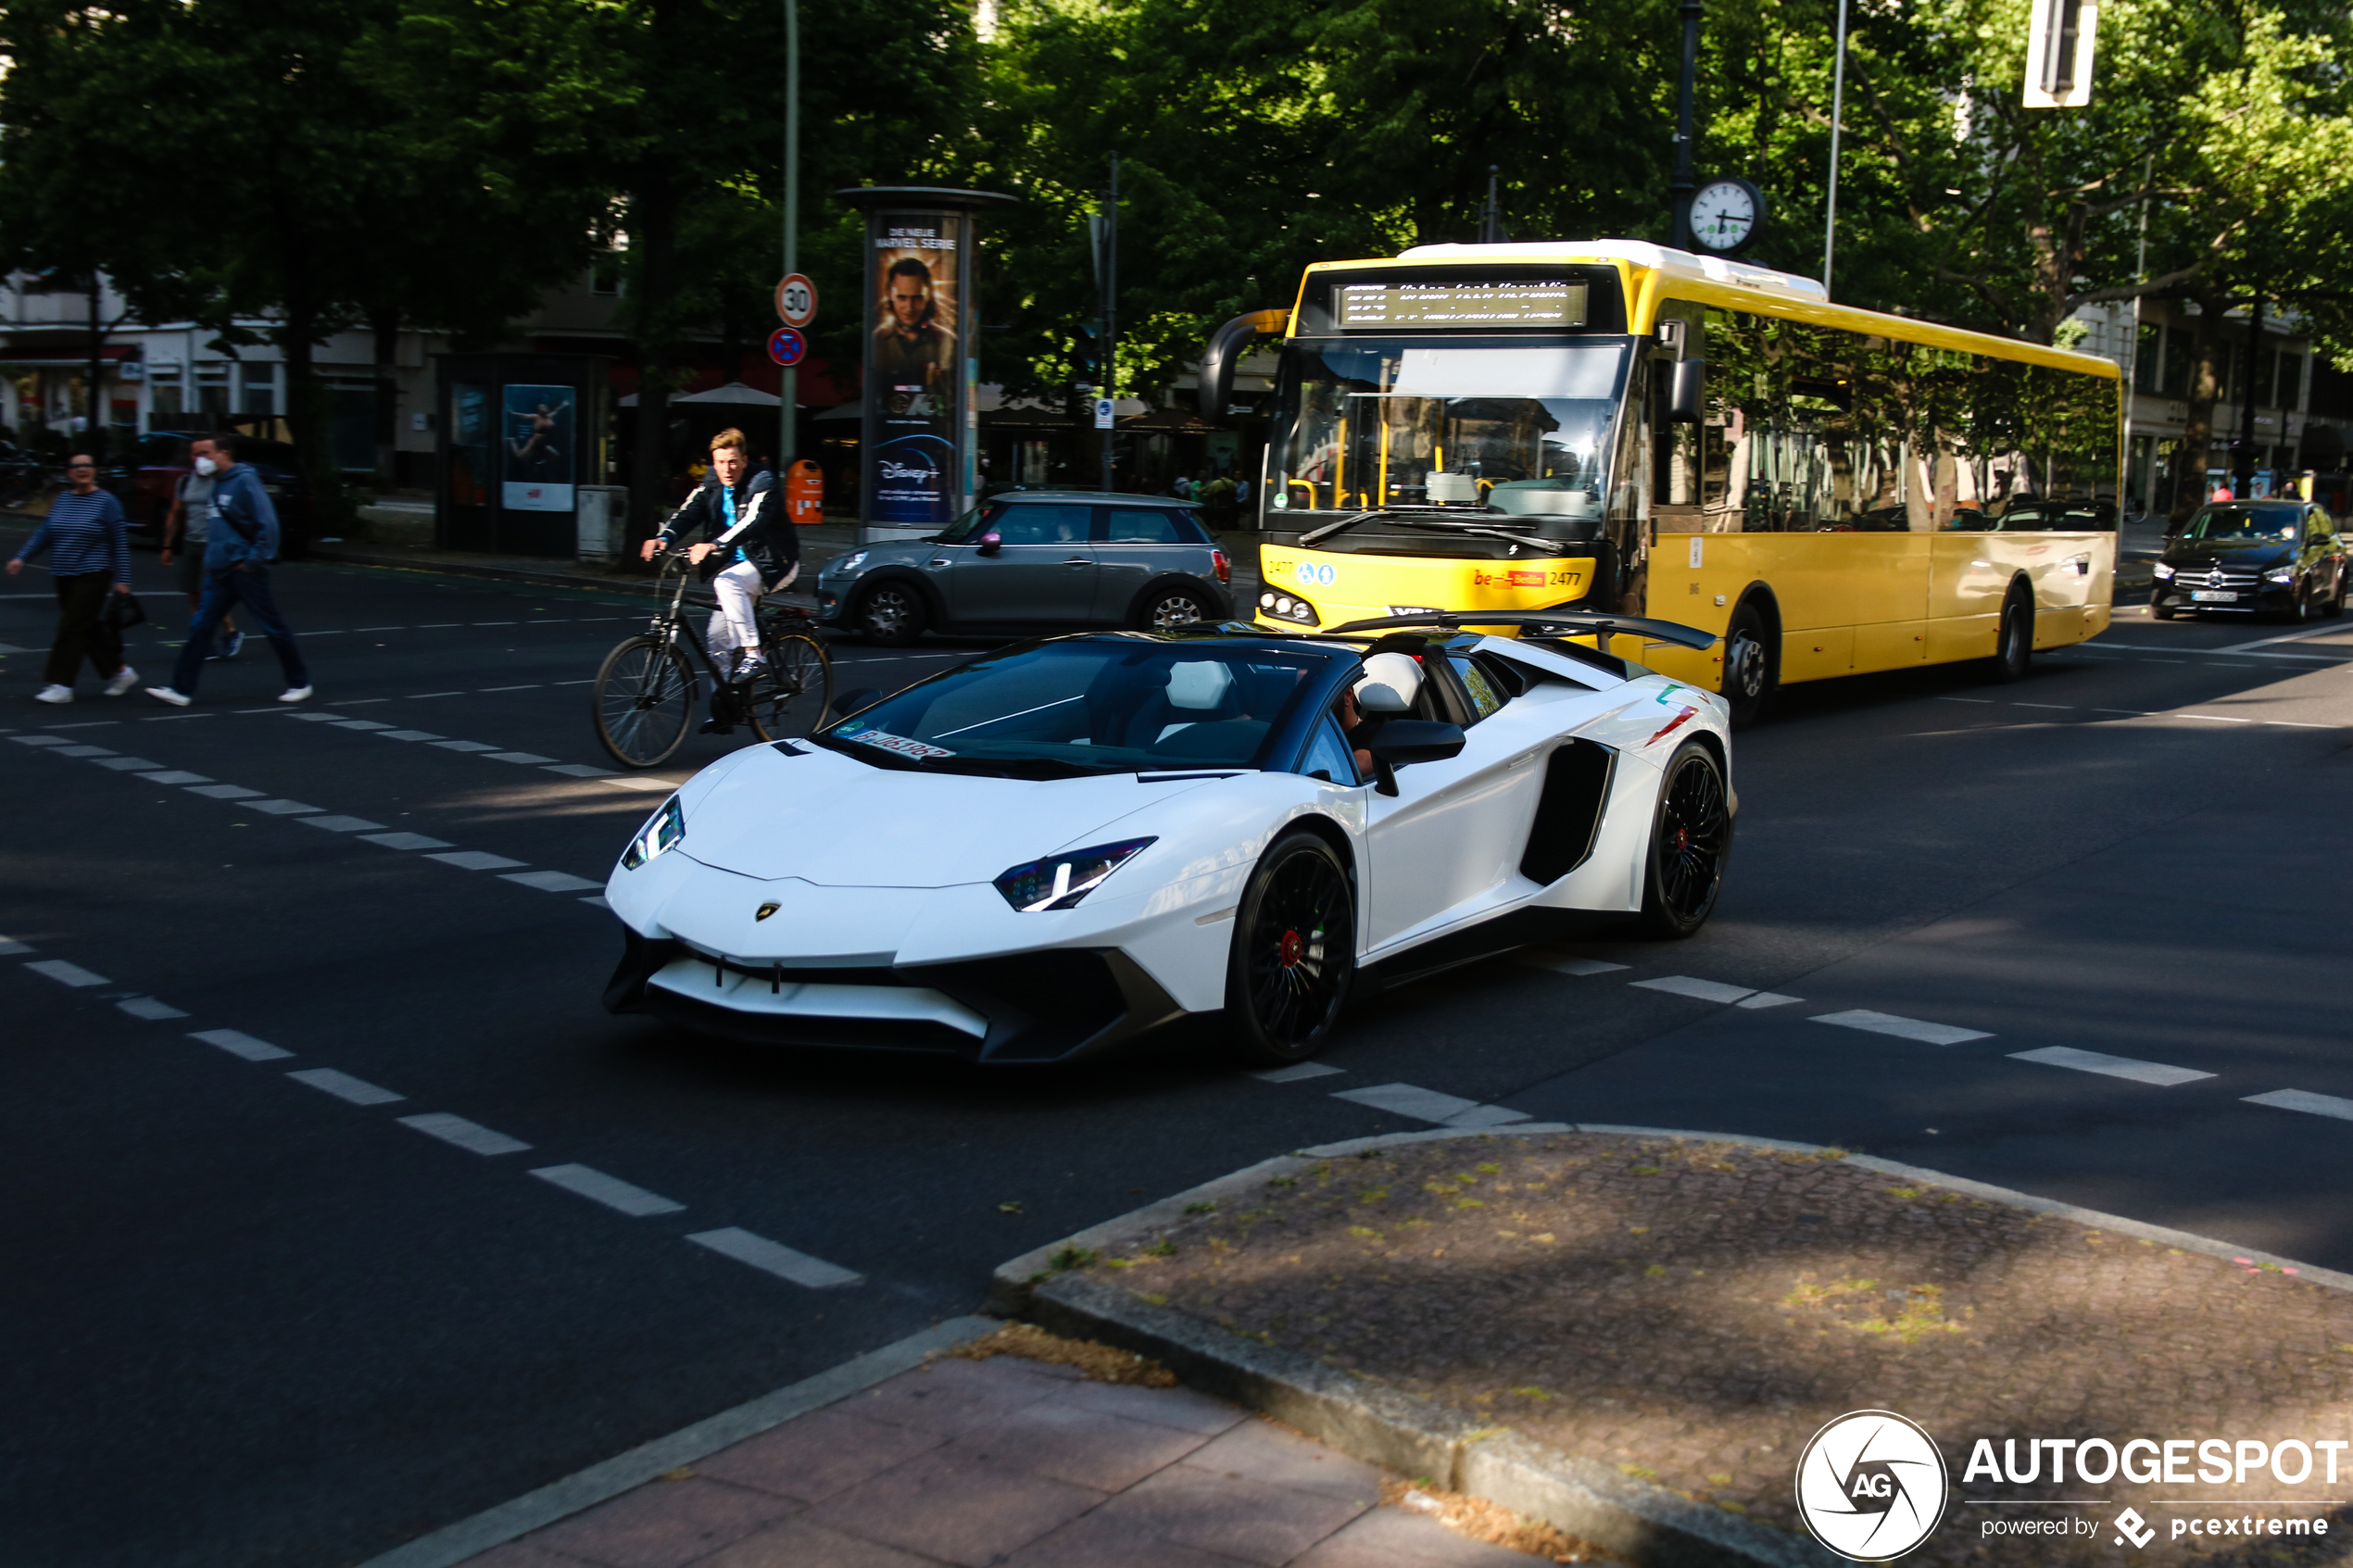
294	693
124	679
751	668
54	693
165	693
234	646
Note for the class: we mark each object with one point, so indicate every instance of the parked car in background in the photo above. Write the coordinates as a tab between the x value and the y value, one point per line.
1033	560
146	483
2280	559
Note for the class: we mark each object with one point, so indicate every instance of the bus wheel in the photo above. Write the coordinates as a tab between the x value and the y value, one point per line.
2016	648
1748	667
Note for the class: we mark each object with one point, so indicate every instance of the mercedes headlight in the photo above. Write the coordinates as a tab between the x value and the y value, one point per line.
666	828
2283	576
2164	572
1057	881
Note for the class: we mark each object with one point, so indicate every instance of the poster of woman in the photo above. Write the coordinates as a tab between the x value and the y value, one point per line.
537	441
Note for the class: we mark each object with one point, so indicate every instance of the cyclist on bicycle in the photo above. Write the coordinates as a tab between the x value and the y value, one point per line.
751	532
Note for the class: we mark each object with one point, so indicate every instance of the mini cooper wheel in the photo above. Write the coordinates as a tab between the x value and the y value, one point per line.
891	614
1295	952
1689	837
1170	609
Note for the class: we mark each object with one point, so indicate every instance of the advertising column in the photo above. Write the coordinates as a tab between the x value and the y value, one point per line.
917	456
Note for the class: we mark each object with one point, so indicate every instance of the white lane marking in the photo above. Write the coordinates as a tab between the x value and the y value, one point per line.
438	625
420	697
1486	1116
312	717
359	701
1569	966
148	1008
526	686
517	756
65	973
2283	723
342	1085
476	860
84	751
236	1042
88	724
1987	701
127	764
279	808
551	881
497	624
1706	990
610	1191
464	745
2282	637
1294	1073
341	824
1408	1099
226	792
1767	1000
2216	718
2110	1066
173	778
598	899
359	629
472	1136
776	1258
2305	1099
627	782
589	681
1903	1028
2134	712
405	841
405	734
582	770
361	725
41	740
176	718
2054	707
10	948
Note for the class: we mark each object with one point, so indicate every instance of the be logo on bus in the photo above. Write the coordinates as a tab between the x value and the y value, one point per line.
1507	579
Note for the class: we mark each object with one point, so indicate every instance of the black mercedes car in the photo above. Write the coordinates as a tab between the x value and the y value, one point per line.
2280	559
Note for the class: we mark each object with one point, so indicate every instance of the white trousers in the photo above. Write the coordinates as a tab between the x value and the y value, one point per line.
738	589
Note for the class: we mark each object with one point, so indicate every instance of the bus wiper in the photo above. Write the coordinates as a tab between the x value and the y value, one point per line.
1391	514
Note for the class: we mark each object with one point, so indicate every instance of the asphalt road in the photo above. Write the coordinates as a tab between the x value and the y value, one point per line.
260	1318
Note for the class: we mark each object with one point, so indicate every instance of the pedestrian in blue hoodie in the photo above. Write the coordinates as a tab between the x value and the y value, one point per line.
241	541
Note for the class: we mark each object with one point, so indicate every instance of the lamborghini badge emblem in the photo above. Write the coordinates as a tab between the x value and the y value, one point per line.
767	909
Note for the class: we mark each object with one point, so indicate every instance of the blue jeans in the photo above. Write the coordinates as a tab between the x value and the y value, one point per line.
250	587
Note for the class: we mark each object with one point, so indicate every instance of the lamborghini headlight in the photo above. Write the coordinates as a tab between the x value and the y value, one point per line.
1057	881
667	827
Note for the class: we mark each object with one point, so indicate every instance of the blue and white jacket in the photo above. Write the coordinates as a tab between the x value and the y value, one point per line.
243	526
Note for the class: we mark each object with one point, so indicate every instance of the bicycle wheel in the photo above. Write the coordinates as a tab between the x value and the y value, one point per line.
795	689
643	700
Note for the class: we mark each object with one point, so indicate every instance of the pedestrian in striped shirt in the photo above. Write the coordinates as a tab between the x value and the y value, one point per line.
88	554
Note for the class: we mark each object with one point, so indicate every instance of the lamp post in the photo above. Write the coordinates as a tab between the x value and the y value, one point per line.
1681	187
1838	114
789	383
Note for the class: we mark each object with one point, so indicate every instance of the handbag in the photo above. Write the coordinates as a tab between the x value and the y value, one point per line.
122	611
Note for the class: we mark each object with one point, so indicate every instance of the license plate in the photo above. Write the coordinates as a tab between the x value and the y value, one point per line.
2213	597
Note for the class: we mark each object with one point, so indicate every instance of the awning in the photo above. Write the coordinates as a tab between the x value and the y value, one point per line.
734	392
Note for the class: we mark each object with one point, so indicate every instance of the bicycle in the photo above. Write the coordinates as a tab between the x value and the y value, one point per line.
20	481
644	699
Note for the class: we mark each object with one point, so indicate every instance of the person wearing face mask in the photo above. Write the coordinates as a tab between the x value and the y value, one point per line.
186	526
241	540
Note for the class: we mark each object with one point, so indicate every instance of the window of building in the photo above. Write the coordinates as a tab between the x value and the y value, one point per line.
2149	364
212	392
260	390
165	404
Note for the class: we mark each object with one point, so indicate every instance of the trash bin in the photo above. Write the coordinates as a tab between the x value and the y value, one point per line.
602	512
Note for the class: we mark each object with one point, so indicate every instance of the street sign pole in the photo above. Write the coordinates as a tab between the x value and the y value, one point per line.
789	385
1681	187
1838	112
1111	308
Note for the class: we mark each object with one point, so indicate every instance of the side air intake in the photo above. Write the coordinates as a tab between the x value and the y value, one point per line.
1568	816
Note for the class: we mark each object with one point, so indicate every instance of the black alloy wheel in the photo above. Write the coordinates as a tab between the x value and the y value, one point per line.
1295	952
1690	835
790	694
2159	609
2337	600
1748	667
2300	607
2014	645
1175	607
643	700
891	614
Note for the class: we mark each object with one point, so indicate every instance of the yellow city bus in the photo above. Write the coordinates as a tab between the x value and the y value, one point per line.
1617	426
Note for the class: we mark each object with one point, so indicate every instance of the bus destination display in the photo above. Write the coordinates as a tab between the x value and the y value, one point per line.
1462	305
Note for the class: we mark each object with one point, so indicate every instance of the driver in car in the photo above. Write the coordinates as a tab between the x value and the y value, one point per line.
1391	682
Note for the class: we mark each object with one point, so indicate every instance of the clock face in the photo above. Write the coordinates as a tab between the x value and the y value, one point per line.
1724	214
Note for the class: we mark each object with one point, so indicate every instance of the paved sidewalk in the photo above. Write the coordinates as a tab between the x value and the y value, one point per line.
1013	1463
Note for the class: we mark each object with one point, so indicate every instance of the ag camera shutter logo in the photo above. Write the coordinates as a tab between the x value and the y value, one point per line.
1872	1486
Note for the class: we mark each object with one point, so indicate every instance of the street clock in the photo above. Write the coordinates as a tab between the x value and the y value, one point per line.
1726	215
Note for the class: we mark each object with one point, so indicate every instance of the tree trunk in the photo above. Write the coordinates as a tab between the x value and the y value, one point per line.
653	224
386	325
94	388
2212	352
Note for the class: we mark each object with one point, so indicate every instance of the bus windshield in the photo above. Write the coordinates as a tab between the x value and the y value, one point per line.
1487	424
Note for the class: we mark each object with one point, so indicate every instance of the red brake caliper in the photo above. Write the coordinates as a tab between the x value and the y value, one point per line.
1289	949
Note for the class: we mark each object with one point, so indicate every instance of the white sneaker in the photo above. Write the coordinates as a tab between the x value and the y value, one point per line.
54	693
165	693
294	693
124	679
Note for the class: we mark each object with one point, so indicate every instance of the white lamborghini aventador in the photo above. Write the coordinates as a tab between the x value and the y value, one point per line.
1059	845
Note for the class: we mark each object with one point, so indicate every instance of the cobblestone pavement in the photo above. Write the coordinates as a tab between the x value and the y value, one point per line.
1010	1463
1694	1312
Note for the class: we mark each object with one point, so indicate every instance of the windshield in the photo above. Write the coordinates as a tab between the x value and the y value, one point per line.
1468	425
1092	707
2245	522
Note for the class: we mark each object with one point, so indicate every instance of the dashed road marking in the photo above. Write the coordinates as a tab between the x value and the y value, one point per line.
610	1191
472	1137
1903	1028
149	1008
776	1258
1294	1073
2305	1100
1767	1000
41	740
342	1085
551	881
1704	990
65	973
226	792
464	745
477	860
1409	1099
2111	1066
125	764
279	808
1569	966
526	686
361	725
582	770
406	841
173	777
407	734
341	824
519	758
236	1042
1984	701
10	948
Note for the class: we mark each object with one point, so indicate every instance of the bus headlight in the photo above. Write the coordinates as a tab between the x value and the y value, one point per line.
1287	607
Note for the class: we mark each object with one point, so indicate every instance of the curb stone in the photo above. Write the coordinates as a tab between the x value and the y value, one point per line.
608	1478
1647	1525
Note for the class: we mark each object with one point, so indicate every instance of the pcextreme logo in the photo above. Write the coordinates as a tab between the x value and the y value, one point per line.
1872	1486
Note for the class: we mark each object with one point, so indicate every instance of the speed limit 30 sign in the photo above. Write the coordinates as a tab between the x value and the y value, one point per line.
795	300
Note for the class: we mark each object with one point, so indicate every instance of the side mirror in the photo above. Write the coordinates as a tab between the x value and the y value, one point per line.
1686	394
1401	741
990	544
